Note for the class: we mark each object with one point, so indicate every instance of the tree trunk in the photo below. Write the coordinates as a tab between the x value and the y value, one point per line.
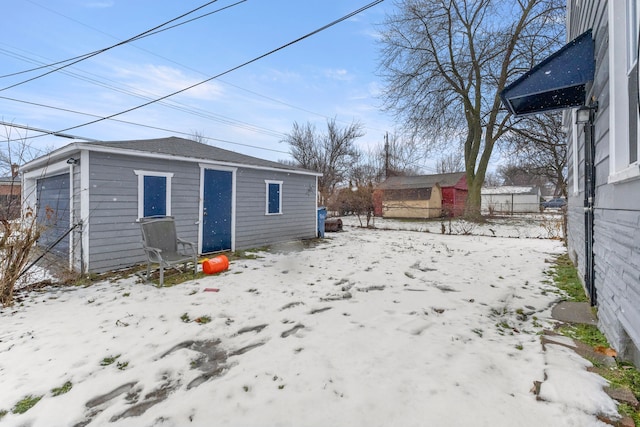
474	200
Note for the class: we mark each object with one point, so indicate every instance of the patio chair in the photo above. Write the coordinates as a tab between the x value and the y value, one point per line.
162	246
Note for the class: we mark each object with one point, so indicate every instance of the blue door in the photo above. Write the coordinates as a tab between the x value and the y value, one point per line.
216	210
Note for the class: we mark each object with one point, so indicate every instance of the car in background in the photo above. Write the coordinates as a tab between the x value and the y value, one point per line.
555	203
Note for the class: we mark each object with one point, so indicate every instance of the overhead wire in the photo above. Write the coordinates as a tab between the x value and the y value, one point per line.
129	40
278	101
244	64
139	37
172	131
173	104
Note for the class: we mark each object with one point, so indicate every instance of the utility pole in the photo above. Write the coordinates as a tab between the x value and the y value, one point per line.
386	155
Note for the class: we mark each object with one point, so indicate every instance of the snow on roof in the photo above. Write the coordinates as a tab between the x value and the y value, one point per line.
510	190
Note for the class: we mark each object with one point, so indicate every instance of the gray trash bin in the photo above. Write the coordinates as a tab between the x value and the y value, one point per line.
322	216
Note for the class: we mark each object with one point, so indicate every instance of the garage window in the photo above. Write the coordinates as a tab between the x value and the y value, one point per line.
154	193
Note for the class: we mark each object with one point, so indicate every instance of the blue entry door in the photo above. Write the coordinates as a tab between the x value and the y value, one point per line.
217	210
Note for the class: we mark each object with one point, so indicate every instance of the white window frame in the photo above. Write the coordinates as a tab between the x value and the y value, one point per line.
620	52
141	174
266	208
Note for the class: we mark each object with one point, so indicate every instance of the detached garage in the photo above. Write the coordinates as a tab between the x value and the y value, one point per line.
94	194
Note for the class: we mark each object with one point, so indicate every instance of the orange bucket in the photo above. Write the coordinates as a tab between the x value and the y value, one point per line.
215	265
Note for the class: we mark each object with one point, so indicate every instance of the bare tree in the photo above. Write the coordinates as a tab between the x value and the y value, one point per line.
521	174
401	156
198	136
446	61
538	145
492	179
452	162
331	154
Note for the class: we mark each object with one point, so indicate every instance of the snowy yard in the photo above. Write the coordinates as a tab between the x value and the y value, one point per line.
368	328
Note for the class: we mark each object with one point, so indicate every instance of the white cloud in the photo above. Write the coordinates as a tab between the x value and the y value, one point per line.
160	80
279	76
338	74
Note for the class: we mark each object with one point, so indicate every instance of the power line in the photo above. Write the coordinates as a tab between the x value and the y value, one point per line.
110	47
324	27
278	101
172	131
173	104
58	134
96	52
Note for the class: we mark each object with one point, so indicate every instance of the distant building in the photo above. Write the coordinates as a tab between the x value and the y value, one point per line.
10	189
421	196
509	200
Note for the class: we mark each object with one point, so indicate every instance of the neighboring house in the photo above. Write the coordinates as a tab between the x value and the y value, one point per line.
598	72
510	200
452	196
9	197
220	199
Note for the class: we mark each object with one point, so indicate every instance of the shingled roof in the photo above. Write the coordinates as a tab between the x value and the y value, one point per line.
421	181
182	147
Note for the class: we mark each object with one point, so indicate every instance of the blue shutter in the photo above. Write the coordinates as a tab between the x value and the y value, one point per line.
274	198
155	195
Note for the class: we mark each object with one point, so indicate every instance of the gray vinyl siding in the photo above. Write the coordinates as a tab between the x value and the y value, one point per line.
254	228
617	206
110	236
115	239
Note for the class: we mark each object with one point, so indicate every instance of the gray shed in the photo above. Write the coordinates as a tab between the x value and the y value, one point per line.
220	199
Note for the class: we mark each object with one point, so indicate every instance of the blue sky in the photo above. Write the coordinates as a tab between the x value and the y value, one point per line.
331	74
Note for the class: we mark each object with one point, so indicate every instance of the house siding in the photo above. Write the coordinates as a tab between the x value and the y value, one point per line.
255	228
414	206
616	217
115	238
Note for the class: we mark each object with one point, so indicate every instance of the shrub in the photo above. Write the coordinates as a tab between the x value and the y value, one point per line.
17	240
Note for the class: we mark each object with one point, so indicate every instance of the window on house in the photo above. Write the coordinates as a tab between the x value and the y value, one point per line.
154	193
274	197
624	120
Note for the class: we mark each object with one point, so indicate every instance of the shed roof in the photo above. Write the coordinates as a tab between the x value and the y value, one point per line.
510	190
421	181
181	148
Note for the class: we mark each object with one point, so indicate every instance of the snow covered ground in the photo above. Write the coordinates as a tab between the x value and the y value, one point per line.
367	328
546	225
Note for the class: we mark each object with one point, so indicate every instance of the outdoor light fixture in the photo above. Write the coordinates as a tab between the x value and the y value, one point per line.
72	161
583	114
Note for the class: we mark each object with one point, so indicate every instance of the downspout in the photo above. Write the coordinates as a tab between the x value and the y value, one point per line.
72	240
589	201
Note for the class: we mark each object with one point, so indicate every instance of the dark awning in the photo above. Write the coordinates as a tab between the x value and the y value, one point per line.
557	82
